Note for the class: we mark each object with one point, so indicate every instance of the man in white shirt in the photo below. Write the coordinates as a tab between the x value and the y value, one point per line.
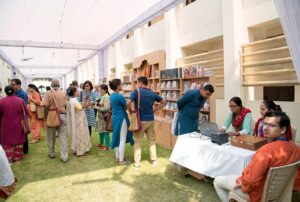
7	179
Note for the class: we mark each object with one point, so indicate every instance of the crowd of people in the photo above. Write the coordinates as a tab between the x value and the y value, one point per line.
83	107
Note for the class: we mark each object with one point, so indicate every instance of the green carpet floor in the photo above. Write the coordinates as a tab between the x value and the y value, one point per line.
96	177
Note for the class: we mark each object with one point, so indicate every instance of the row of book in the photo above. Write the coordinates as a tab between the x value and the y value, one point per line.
171	106
126	86
171	73
170	95
169	85
187	85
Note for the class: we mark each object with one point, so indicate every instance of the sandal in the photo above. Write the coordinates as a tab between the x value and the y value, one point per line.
124	162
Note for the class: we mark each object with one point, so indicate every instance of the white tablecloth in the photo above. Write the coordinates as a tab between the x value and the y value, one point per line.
199	154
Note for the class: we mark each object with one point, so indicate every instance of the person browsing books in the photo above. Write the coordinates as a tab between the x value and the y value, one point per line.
147	100
189	106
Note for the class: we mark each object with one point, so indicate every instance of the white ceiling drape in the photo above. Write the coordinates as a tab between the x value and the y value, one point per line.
289	14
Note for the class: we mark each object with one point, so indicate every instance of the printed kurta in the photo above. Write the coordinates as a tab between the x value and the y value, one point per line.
78	128
118	105
89	112
102	113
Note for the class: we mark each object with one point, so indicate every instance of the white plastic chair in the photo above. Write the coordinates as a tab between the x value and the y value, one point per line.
278	186
294	132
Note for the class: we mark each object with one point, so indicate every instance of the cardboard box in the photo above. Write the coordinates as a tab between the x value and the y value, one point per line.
248	142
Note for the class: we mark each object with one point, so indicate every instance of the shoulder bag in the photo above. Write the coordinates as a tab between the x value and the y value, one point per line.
25	122
53	119
134	117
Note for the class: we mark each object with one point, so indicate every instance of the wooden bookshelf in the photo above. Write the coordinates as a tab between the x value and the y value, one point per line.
164	120
267	62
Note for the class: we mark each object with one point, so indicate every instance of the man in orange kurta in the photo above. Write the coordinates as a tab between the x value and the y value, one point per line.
279	152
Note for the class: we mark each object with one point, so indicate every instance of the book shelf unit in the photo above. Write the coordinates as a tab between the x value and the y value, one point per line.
127	80
172	88
267	62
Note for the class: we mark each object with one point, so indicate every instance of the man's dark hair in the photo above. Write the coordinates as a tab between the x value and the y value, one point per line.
209	87
17	81
284	120
114	84
48	88
74	83
71	91
143	80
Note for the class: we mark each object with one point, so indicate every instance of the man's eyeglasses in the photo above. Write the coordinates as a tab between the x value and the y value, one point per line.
269	125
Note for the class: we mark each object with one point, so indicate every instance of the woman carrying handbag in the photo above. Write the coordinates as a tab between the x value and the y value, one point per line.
34	100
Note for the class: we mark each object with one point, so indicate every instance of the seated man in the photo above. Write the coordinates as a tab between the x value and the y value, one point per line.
279	152
7	180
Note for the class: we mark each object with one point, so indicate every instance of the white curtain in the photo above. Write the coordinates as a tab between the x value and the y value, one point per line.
289	14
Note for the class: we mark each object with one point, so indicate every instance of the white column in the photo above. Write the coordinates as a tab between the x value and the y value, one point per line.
119	59
138	41
172	47
234	35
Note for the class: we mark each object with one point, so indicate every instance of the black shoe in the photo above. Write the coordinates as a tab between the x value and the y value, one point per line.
51	157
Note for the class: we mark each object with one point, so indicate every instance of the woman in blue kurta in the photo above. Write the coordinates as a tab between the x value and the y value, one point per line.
189	107
120	122
240	118
88	98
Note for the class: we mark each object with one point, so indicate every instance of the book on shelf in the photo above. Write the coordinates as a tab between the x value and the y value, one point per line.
168	85
127	79
126	87
171	73
193	71
187	85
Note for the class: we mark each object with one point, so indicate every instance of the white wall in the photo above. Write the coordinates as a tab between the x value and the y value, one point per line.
153	37
259	11
5	73
199	21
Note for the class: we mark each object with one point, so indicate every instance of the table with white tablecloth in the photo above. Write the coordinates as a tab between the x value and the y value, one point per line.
197	153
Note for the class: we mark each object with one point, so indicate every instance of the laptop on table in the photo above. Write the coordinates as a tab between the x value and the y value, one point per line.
211	130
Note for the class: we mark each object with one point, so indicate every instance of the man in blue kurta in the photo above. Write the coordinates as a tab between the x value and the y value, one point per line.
189	107
19	92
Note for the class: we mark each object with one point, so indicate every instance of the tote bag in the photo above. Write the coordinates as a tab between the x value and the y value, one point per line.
40	112
108	123
53	116
25	122
134	117
32	106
